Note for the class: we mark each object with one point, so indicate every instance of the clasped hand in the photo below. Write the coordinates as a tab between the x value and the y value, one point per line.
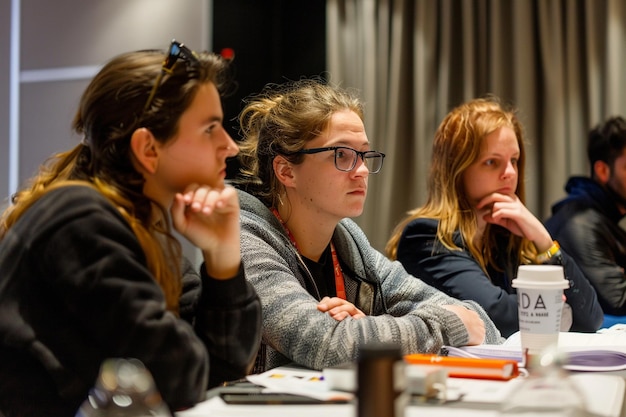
209	219
339	309
509	212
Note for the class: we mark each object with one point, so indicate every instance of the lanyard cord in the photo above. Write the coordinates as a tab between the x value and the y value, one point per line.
339	284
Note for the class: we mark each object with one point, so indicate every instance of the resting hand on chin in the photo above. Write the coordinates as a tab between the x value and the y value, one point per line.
508	211
209	219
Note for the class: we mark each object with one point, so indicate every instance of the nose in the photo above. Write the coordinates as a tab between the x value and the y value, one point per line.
510	170
361	168
231	145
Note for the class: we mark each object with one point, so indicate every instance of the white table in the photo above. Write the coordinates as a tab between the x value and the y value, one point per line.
604	395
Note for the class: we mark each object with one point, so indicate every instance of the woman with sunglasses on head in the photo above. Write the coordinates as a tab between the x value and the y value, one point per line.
89	267
474	230
325	291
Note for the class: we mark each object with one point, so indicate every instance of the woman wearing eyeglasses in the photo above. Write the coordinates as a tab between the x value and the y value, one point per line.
325	291
474	230
89	267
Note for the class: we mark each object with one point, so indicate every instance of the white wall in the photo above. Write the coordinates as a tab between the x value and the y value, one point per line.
5	30
62	43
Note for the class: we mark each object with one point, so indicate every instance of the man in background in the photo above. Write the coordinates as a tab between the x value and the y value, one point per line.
586	222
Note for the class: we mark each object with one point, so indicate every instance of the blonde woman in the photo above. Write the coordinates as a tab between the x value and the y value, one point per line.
474	230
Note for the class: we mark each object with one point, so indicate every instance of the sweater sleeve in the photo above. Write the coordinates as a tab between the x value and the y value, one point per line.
293	326
404	291
228	320
226	314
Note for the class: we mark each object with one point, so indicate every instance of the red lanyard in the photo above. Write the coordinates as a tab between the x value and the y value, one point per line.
339	284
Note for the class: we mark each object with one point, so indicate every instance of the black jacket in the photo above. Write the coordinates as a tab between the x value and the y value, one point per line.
586	224
75	290
458	274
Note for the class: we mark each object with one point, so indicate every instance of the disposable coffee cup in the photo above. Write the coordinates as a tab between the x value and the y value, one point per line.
540	305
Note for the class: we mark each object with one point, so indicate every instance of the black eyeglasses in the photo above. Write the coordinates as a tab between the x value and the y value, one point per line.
176	51
346	158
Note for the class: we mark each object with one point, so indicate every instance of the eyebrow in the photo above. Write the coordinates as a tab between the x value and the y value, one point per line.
346	144
492	153
213	118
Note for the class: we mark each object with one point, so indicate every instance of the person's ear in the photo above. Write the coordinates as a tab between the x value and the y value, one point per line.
144	148
602	171
283	169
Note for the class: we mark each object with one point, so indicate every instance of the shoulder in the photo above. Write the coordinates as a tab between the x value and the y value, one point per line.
584	196
350	237
74	192
256	218
355	249
570	207
77	210
251	208
247	201
421	226
261	232
74	198
576	216
72	226
69	202
420	236
350	227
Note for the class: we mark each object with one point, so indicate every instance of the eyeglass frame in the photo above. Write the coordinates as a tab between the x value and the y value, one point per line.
176	51
362	154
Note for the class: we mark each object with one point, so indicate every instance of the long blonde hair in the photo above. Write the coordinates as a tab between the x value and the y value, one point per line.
110	110
457	144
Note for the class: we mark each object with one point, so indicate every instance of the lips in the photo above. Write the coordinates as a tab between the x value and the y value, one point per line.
360	191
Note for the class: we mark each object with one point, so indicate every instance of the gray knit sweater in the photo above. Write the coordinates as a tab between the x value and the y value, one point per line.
400	307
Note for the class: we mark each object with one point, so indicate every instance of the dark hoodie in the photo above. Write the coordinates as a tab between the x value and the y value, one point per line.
586	225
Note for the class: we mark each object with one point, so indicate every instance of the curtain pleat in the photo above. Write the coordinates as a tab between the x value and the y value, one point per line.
560	62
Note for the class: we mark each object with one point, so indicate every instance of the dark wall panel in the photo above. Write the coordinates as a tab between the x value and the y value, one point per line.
273	40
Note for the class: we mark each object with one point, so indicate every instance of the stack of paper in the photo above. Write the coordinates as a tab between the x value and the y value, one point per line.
598	352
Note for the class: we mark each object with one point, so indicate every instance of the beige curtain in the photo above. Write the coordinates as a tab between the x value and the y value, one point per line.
560	62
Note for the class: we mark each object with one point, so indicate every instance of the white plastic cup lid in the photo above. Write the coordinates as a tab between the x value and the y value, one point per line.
541	277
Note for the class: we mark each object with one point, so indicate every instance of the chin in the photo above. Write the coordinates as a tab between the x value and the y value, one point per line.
213	182
355	213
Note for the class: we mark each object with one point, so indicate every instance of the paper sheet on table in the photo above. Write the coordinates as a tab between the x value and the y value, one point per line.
300	382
